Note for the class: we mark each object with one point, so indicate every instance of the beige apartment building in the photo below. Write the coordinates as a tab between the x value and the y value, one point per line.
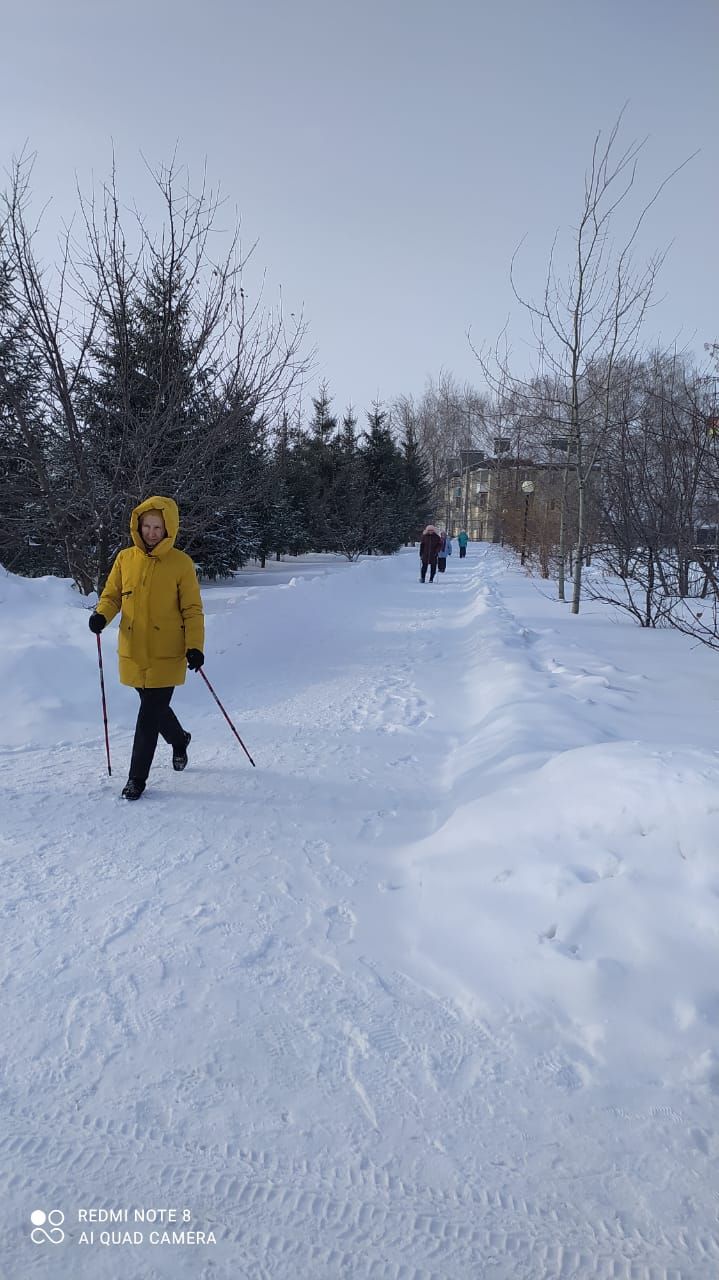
484	494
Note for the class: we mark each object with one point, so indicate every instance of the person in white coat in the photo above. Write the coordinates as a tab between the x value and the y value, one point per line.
445	550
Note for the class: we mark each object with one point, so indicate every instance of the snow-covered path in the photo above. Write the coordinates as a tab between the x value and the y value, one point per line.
429	995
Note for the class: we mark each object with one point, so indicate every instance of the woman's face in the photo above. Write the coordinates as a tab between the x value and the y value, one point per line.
152	528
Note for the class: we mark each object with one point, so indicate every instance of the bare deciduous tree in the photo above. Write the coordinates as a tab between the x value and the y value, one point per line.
586	327
153	364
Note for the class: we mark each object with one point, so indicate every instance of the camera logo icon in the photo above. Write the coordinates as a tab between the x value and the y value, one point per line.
54	1220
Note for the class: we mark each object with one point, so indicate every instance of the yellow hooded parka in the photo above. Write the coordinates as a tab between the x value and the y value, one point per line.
158	595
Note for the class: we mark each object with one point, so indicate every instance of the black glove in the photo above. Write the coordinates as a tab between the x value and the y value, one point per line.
195	659
96	622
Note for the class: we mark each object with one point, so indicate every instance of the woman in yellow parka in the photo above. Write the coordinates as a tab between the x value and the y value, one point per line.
154	587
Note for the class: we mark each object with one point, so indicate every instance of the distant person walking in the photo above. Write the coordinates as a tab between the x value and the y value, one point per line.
445	550
462	539
429	545
154	587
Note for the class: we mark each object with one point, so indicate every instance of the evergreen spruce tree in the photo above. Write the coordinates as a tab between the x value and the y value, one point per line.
230	512
385	485
323	423
146	409
155	383
299	487
417	500
354	519
349	429
320	464
286	531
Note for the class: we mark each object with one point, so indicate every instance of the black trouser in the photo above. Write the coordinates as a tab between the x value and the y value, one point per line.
432	569
441	563
153	718
462	552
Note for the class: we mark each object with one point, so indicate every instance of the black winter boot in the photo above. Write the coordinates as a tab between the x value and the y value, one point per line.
179	755
133	789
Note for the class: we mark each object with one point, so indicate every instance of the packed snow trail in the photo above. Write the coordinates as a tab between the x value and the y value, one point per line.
428	995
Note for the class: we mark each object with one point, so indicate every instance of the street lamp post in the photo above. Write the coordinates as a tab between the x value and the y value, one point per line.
527	490
466	476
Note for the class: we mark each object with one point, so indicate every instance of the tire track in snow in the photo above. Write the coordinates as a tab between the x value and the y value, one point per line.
373	1215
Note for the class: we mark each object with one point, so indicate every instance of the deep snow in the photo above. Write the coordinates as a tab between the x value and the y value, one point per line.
430	994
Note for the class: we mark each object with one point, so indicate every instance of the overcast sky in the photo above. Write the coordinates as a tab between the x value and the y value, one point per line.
388	155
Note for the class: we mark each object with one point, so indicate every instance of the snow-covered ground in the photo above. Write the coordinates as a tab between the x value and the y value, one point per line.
430	994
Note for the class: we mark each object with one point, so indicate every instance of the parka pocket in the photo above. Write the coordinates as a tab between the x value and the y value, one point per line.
168	640
127	618
124	642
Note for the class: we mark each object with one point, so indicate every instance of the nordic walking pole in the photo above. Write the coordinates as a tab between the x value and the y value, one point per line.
227	718
104	704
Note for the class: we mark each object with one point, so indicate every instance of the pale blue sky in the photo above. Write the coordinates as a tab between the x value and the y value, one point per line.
388	155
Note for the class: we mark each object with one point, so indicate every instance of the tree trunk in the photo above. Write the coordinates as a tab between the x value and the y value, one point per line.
650	591
579	549
563	531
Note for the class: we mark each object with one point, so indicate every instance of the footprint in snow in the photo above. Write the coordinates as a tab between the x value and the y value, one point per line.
341	923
